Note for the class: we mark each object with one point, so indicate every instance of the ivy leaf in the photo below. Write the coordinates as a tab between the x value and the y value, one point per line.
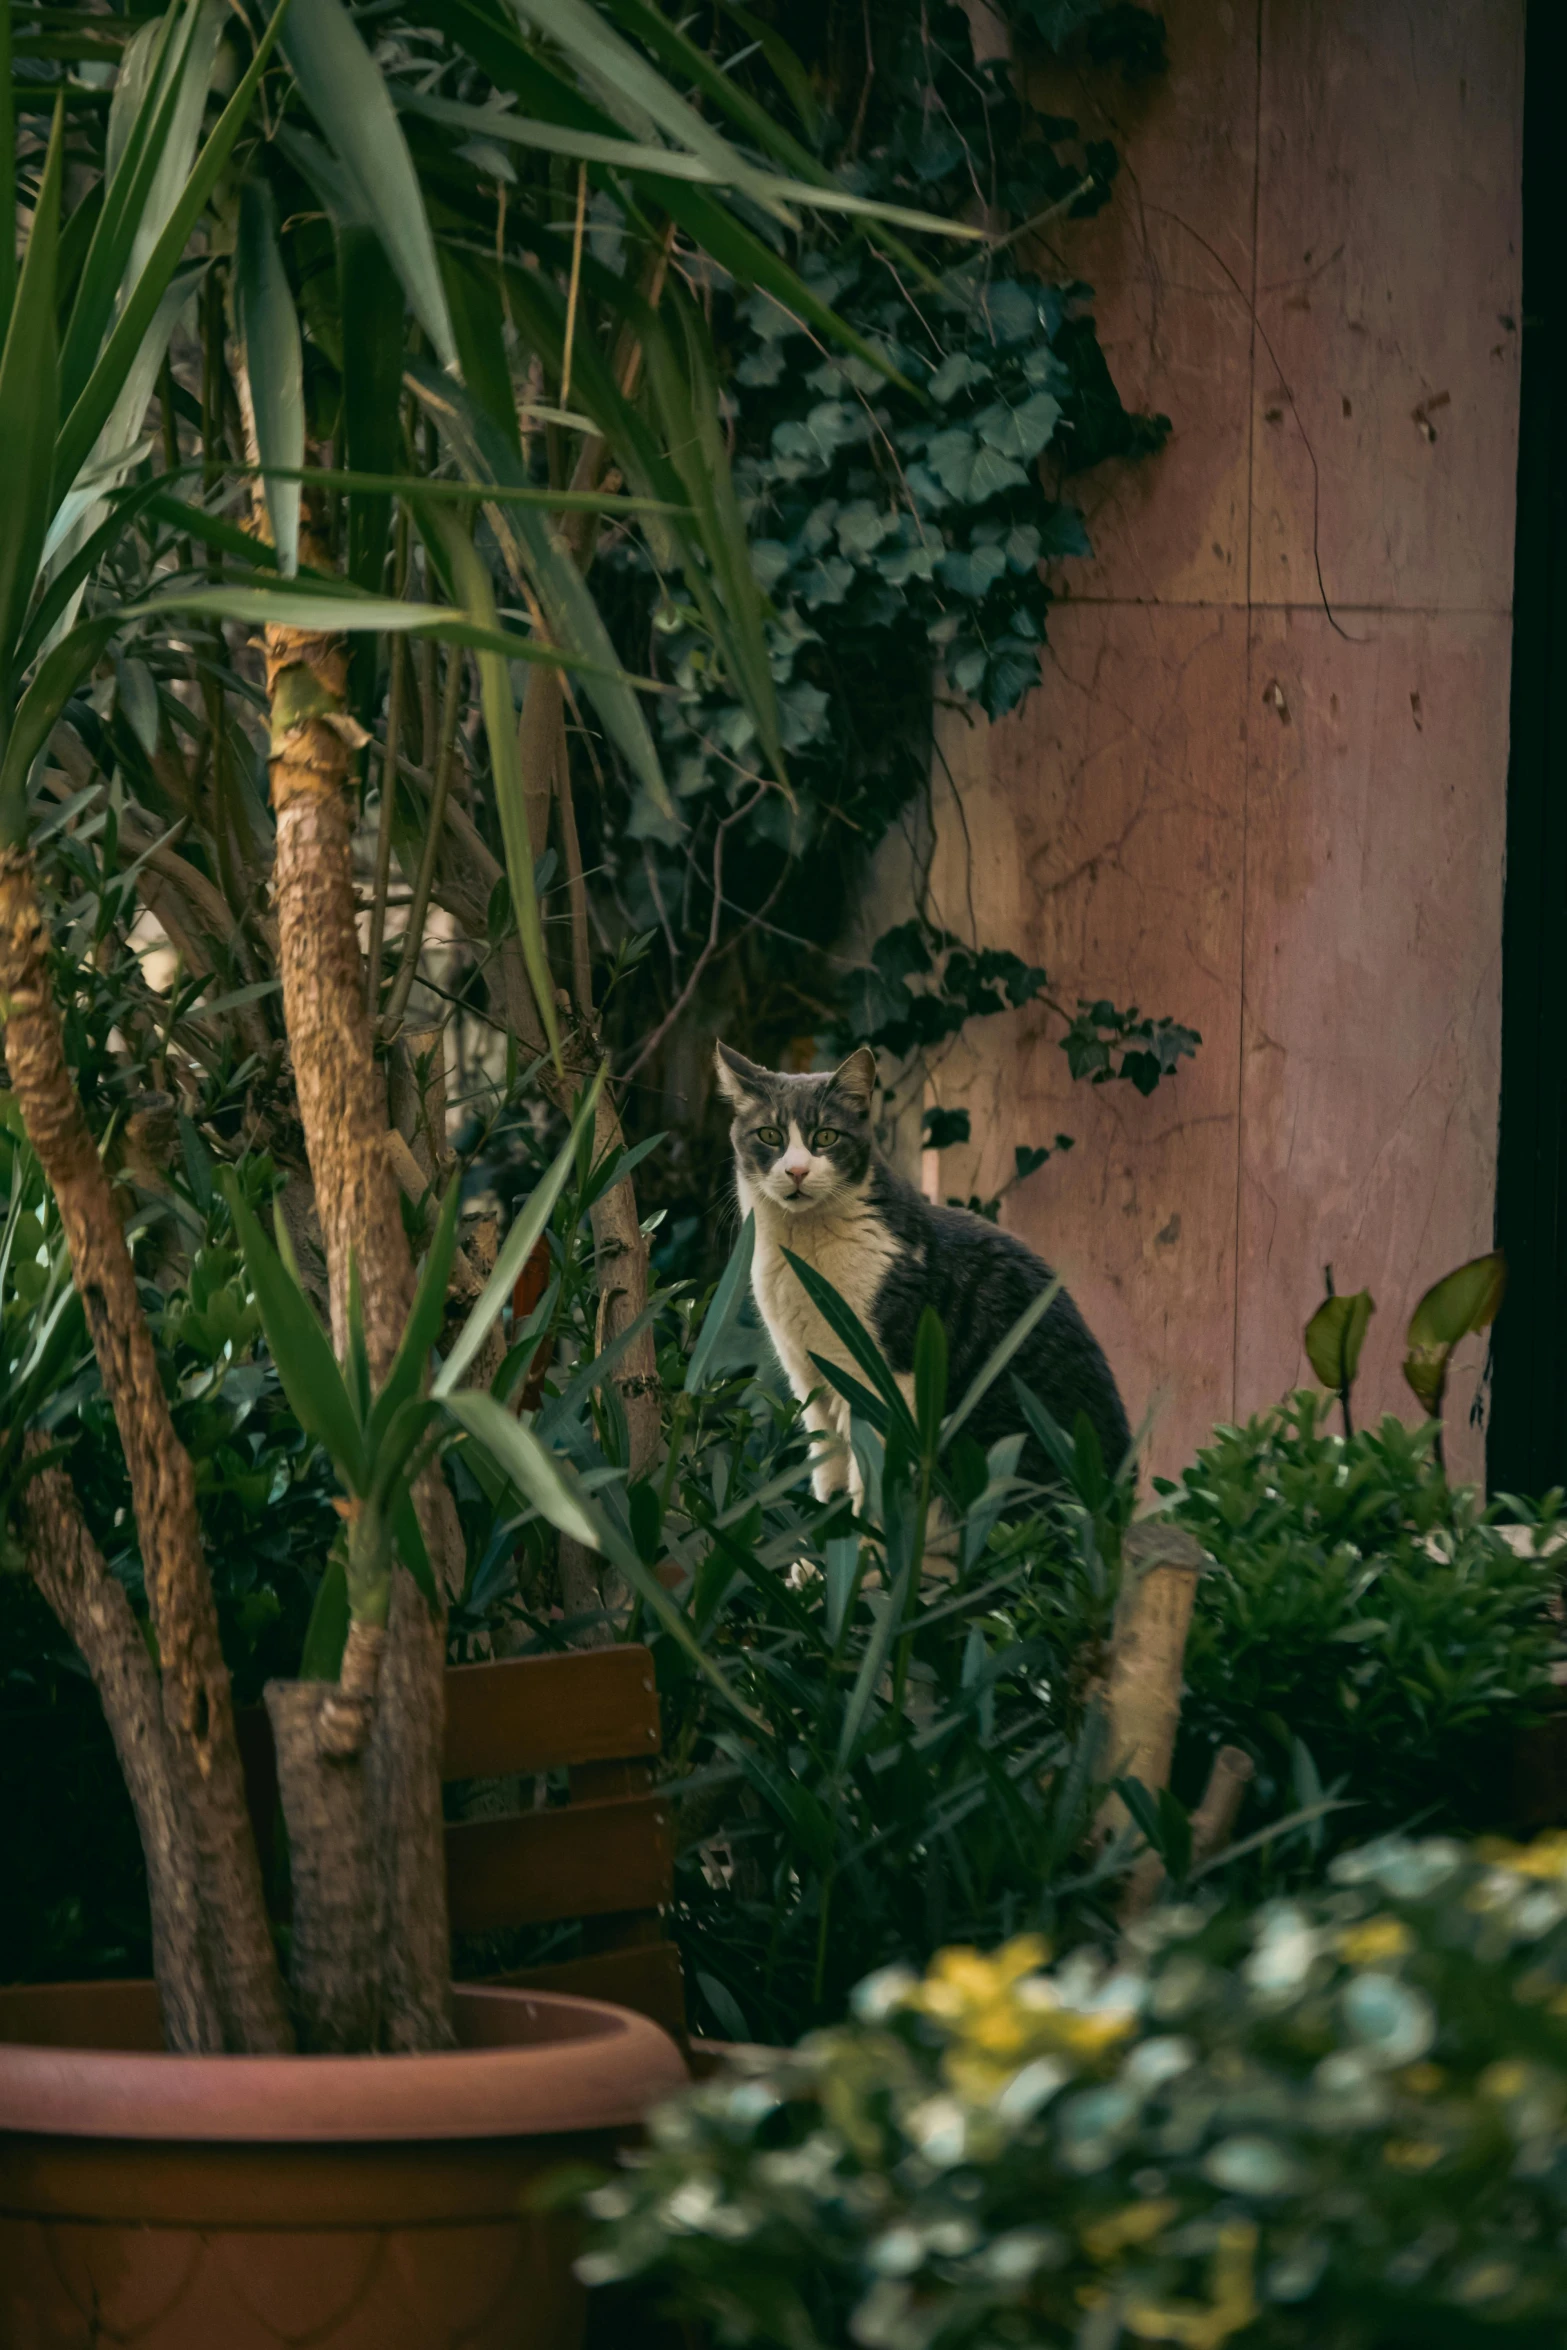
863	526
955	374
970	472
1023	431
973	571
826	583
1064	532
944	1129
1012	310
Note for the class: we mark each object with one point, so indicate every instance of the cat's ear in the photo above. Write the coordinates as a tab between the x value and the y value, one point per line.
856	1079
739	1080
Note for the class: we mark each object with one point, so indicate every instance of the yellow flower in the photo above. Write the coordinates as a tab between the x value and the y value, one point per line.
1414	2154
1503	2080
1134	2223
960	1980
1375	1941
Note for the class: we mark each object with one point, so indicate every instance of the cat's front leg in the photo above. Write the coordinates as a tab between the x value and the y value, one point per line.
832	1463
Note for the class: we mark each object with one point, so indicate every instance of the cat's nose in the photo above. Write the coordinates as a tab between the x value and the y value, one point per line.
797	1166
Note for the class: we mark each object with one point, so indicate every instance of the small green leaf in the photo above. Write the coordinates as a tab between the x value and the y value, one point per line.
1334	1337
1464	1300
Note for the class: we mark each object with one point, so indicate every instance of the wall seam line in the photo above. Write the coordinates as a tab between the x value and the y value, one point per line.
1246	671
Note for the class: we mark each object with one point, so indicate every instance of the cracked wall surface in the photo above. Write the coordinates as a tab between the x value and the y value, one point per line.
1263	785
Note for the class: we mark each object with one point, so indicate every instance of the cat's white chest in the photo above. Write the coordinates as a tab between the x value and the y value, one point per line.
851	1248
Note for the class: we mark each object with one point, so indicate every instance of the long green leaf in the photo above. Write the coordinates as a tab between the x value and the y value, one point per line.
536	1473
845	1323
720	1315
998	1358
297	604
500	724
8	168
634	92
655	163
872	1665
315	1387
370	302
326	1634
91	412
423	1327
154	124
28	375
528	1228
273	362
345	91
688	406
535	556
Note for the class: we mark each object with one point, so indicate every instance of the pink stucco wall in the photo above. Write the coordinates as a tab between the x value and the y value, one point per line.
1270	808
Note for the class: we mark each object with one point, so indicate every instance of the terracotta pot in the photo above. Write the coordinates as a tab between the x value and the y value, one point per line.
339	2202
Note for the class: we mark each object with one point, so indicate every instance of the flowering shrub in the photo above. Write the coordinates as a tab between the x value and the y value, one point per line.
1338	2122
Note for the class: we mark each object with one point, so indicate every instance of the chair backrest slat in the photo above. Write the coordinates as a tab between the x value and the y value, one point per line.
537	1713
578	1861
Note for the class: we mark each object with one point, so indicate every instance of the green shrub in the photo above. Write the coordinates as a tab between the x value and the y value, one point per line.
1338	2122
1370	1630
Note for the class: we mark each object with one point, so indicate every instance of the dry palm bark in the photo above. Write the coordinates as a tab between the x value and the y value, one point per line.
197	1708
342	1106
69	1570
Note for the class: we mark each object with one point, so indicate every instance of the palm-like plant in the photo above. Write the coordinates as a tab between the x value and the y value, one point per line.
265	171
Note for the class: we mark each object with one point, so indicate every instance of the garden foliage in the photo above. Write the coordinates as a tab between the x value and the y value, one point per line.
1334	2122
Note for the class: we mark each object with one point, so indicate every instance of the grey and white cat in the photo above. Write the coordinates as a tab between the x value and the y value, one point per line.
807	1167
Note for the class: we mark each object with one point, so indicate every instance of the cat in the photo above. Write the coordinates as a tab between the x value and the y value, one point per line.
807	1168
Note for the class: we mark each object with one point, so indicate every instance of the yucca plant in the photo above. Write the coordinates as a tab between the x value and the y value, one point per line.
265	171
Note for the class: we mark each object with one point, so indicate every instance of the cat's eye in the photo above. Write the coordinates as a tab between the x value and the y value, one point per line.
770	1135
824	1138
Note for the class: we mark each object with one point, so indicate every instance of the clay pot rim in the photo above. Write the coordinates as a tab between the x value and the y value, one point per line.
535	2063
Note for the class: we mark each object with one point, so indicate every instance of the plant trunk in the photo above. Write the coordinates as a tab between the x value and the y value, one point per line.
334	1966
1160	1567
342	1105
197	1707
69	1569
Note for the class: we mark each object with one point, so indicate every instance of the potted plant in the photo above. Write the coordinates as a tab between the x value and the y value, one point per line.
335	2148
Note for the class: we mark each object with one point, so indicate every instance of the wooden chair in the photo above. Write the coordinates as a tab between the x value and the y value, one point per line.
606	1856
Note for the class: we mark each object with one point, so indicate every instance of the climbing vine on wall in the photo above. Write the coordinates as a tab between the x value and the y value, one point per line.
901	505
